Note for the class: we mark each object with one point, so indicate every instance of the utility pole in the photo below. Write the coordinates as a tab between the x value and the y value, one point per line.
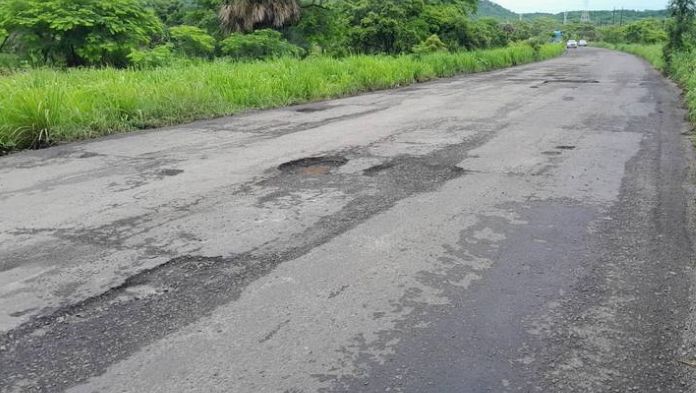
565	17
621	20
585	18
613	16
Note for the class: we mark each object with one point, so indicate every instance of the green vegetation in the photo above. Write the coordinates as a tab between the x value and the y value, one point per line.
682	68
121	33
192	41
76	33
76	69
84	103
489	9
261	44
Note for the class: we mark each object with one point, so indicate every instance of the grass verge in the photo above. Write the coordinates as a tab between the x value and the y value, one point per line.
46	106
683	71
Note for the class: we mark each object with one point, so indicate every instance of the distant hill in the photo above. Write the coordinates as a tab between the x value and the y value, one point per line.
489	9
608	16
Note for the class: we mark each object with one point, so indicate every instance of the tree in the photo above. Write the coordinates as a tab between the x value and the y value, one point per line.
247	15
170	12
322	28
648	31
261	44
192	40
79	32
683	13
386	26
204	14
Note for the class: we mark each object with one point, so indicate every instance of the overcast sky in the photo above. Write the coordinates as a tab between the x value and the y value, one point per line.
561	5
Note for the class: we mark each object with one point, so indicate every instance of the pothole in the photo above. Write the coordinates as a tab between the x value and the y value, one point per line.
311	109
570	81
171	172
565	147
313	165
371	171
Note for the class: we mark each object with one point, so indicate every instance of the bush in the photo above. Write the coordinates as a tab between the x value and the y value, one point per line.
86	32
645	32
156	57
430	45
192	41
9	61
261	44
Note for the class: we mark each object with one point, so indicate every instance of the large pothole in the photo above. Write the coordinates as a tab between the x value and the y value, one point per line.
313	165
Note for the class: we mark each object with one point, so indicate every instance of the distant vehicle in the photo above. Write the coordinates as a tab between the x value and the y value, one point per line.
572	44
582	43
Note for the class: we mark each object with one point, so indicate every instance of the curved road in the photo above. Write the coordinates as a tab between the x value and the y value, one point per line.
525	230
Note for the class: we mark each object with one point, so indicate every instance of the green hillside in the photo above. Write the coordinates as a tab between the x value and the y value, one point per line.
489	9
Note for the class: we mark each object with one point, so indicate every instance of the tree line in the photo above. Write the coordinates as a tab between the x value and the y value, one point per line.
155	32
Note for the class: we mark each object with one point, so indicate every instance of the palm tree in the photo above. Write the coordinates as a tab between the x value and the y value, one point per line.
245	15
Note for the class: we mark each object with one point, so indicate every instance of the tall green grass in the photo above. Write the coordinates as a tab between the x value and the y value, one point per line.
46	106
683	71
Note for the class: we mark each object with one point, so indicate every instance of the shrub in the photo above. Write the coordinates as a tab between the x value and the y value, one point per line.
260	44
9	61
430	45
645	32
156	57
192	41
86	32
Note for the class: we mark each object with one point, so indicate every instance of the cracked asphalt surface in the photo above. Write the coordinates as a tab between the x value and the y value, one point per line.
524	230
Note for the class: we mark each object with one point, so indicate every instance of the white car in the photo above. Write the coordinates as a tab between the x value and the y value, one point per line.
582	43
572	44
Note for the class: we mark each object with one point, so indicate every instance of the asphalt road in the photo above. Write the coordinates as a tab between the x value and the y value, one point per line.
525	230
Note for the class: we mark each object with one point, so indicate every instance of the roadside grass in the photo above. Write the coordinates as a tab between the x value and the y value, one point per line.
682	69
41	107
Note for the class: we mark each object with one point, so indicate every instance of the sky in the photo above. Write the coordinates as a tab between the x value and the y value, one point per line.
562	5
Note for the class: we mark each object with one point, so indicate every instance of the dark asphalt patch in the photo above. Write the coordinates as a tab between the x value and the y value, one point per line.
371	171
88	155
313	165
171	172
581	81
312	109
565	147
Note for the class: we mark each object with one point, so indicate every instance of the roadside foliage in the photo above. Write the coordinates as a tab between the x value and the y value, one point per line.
72	70
84	103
